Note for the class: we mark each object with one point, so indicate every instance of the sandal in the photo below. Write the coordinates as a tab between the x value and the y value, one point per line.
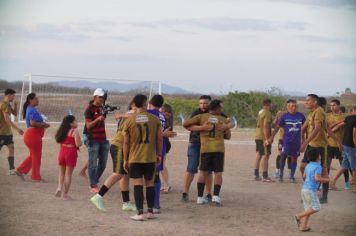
167	190
305	230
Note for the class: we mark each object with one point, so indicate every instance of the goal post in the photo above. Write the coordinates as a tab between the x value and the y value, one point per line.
62	95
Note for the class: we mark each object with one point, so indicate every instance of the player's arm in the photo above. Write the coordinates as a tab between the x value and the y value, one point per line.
16	108
125	149
333	136
169	133
227	134
10	123
321	179
337	126
77	139
192	124
275	131
266	129
159	145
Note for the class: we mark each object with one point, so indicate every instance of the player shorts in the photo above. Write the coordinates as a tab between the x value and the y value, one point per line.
212	161
320	151
261	148
291	150
349	158
139	170
333	152
117	159
6	140
193	157
280	144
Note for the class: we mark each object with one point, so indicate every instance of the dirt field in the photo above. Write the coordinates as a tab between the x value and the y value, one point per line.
250	208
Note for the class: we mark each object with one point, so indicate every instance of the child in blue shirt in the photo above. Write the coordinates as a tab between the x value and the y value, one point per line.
312	176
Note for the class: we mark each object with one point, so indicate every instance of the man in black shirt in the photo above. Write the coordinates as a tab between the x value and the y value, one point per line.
349	149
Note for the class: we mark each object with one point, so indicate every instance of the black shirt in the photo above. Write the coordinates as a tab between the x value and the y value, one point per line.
350	124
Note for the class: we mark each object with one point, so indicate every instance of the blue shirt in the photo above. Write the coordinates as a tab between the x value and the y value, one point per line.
311	170
32	114
292	126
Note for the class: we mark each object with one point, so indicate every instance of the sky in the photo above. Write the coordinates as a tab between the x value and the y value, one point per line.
204	46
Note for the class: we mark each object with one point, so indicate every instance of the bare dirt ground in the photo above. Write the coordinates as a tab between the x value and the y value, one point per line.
249	207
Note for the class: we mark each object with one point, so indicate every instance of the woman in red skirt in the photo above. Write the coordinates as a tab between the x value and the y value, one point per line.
32	139
69	138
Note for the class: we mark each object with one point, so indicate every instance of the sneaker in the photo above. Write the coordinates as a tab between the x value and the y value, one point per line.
156	210
208	198
184	198
202	201
150	216
257	178
12	172
267	179
290	174
20	175
216	200
138	217
128	206
98	202
277	175
347	186
323	200
94	190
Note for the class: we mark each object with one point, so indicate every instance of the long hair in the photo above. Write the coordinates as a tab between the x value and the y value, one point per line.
29	97
168	108
64	128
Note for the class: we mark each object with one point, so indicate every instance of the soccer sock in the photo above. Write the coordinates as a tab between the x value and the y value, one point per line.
277	162
138	194
282	163
157	192
151	198
103	190
11	161
217	188
125	196
257	173
325	190
265	174
201	187
293	168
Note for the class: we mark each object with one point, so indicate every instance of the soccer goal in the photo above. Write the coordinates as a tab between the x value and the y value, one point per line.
63	95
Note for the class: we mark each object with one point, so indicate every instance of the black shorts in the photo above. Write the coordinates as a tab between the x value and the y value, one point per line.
139	170
212	161
117	157
280	144
261	148
334	152
321	152
6	140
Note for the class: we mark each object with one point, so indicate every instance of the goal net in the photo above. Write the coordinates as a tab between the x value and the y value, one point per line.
63	95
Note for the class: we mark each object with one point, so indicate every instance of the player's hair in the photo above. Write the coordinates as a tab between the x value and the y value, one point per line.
343	109
313	154
266	102
291	101
157	100
336	101
9	92
139	100
314	96
207	97
64	128
322	101
168	108
214	104
29	97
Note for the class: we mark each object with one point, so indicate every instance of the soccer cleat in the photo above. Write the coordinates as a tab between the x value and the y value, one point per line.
128	206
202	201
347	186
12	172
216	200
184	198
98	202
138	217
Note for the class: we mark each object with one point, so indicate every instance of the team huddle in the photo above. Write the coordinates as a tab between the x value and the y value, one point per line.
141	143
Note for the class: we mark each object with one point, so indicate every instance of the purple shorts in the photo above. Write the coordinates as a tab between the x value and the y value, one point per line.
291	150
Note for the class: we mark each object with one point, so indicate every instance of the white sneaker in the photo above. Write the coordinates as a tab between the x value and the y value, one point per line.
138	217
12	172
202	201
216	200
128	206
98	202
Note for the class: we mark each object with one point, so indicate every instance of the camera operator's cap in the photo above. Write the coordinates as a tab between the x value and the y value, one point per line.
99	92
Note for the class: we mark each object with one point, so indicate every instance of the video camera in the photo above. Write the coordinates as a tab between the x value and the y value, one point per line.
108	108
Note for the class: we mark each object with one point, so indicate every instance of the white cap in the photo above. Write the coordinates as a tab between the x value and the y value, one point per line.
99	92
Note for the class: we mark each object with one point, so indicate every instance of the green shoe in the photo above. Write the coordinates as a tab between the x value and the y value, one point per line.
347	186
128	206
98	202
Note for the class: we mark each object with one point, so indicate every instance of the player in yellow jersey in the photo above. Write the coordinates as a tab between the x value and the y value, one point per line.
263	132
214	128
142	150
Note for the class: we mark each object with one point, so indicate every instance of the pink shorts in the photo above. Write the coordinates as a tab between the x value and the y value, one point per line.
67	156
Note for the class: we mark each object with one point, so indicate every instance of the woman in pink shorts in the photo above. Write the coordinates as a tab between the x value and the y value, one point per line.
69	138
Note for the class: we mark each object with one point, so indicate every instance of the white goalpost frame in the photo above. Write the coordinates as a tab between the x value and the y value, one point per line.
30	78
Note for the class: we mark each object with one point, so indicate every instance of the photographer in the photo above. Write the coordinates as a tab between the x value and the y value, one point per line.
98	146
